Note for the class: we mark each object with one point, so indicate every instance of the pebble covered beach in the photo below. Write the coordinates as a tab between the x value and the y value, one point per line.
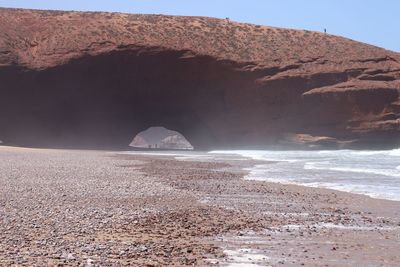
98	208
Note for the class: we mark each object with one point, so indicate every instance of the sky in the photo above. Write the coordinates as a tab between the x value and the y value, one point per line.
368	21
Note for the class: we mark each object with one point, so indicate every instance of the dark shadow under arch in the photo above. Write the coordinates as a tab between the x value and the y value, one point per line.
101	101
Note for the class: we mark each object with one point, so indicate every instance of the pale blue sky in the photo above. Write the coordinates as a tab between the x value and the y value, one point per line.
369	21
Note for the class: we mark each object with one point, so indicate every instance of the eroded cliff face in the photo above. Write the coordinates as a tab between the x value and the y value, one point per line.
97	79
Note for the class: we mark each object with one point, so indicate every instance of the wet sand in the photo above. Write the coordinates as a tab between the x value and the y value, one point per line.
95	208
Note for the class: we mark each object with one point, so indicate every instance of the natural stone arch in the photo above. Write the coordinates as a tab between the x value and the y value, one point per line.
101	101
71	79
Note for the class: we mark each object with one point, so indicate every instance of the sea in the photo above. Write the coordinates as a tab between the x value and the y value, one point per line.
372	173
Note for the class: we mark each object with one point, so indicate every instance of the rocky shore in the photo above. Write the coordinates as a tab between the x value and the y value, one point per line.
97	208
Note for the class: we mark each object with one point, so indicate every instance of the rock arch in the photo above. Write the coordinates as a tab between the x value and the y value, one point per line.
93	80
101	101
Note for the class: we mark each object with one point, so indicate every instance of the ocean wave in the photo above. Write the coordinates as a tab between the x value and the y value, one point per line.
256	155
314	166
372	173
262	155
341	151
395	152
374	191
369	153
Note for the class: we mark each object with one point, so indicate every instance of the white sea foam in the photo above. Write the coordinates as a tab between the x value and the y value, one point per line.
245	257
335	226
368	153
395	152
314	166
373	173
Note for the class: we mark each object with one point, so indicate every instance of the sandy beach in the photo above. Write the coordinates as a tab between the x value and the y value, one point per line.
100	208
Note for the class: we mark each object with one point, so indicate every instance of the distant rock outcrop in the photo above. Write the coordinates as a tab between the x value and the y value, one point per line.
96	79
140	142
175	142
160	138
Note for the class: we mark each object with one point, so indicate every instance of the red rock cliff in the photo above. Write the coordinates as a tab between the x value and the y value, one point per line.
97	79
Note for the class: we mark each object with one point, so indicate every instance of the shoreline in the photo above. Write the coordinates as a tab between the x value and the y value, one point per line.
348	210
248	168
97	207
331	170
